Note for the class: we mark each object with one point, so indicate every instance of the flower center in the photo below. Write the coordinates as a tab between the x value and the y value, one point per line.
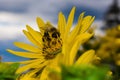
52	42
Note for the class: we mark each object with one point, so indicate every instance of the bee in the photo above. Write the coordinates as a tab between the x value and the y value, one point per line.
52	42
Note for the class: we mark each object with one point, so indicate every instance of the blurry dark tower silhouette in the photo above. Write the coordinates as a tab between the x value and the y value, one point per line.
112	17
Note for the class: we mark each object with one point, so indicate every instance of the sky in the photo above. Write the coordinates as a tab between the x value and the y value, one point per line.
15	14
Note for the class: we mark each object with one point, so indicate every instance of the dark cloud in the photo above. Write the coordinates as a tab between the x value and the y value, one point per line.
16	6
46	6
15	9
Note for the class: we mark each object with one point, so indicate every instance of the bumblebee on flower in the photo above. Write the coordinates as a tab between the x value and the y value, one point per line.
53	46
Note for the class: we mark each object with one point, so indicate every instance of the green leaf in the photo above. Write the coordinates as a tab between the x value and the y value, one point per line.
84	73
7	71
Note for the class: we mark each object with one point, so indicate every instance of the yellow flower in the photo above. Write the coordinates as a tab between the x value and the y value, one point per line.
52	45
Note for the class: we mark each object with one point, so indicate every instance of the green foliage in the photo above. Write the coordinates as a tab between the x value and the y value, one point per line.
85	73
7	71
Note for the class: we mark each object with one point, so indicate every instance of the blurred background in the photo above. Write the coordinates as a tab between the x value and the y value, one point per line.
15	14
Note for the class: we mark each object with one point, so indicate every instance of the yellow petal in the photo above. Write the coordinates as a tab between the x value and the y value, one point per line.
69	22
31	61
27	47
31	38
28	66
73	52
87	21
61	24
35	35
43	64
76	30
44	74
26	61
83	37
25	54
65	53
29	75
86	57
79	40
40	22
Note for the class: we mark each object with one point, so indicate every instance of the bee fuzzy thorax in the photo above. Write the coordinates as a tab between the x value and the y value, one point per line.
52	42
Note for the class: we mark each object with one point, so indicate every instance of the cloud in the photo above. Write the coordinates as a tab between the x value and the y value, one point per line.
50	5
48	9
11	25
9	33
15	14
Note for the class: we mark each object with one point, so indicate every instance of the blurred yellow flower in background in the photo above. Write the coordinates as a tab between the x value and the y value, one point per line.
110	45
54	46
107	47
